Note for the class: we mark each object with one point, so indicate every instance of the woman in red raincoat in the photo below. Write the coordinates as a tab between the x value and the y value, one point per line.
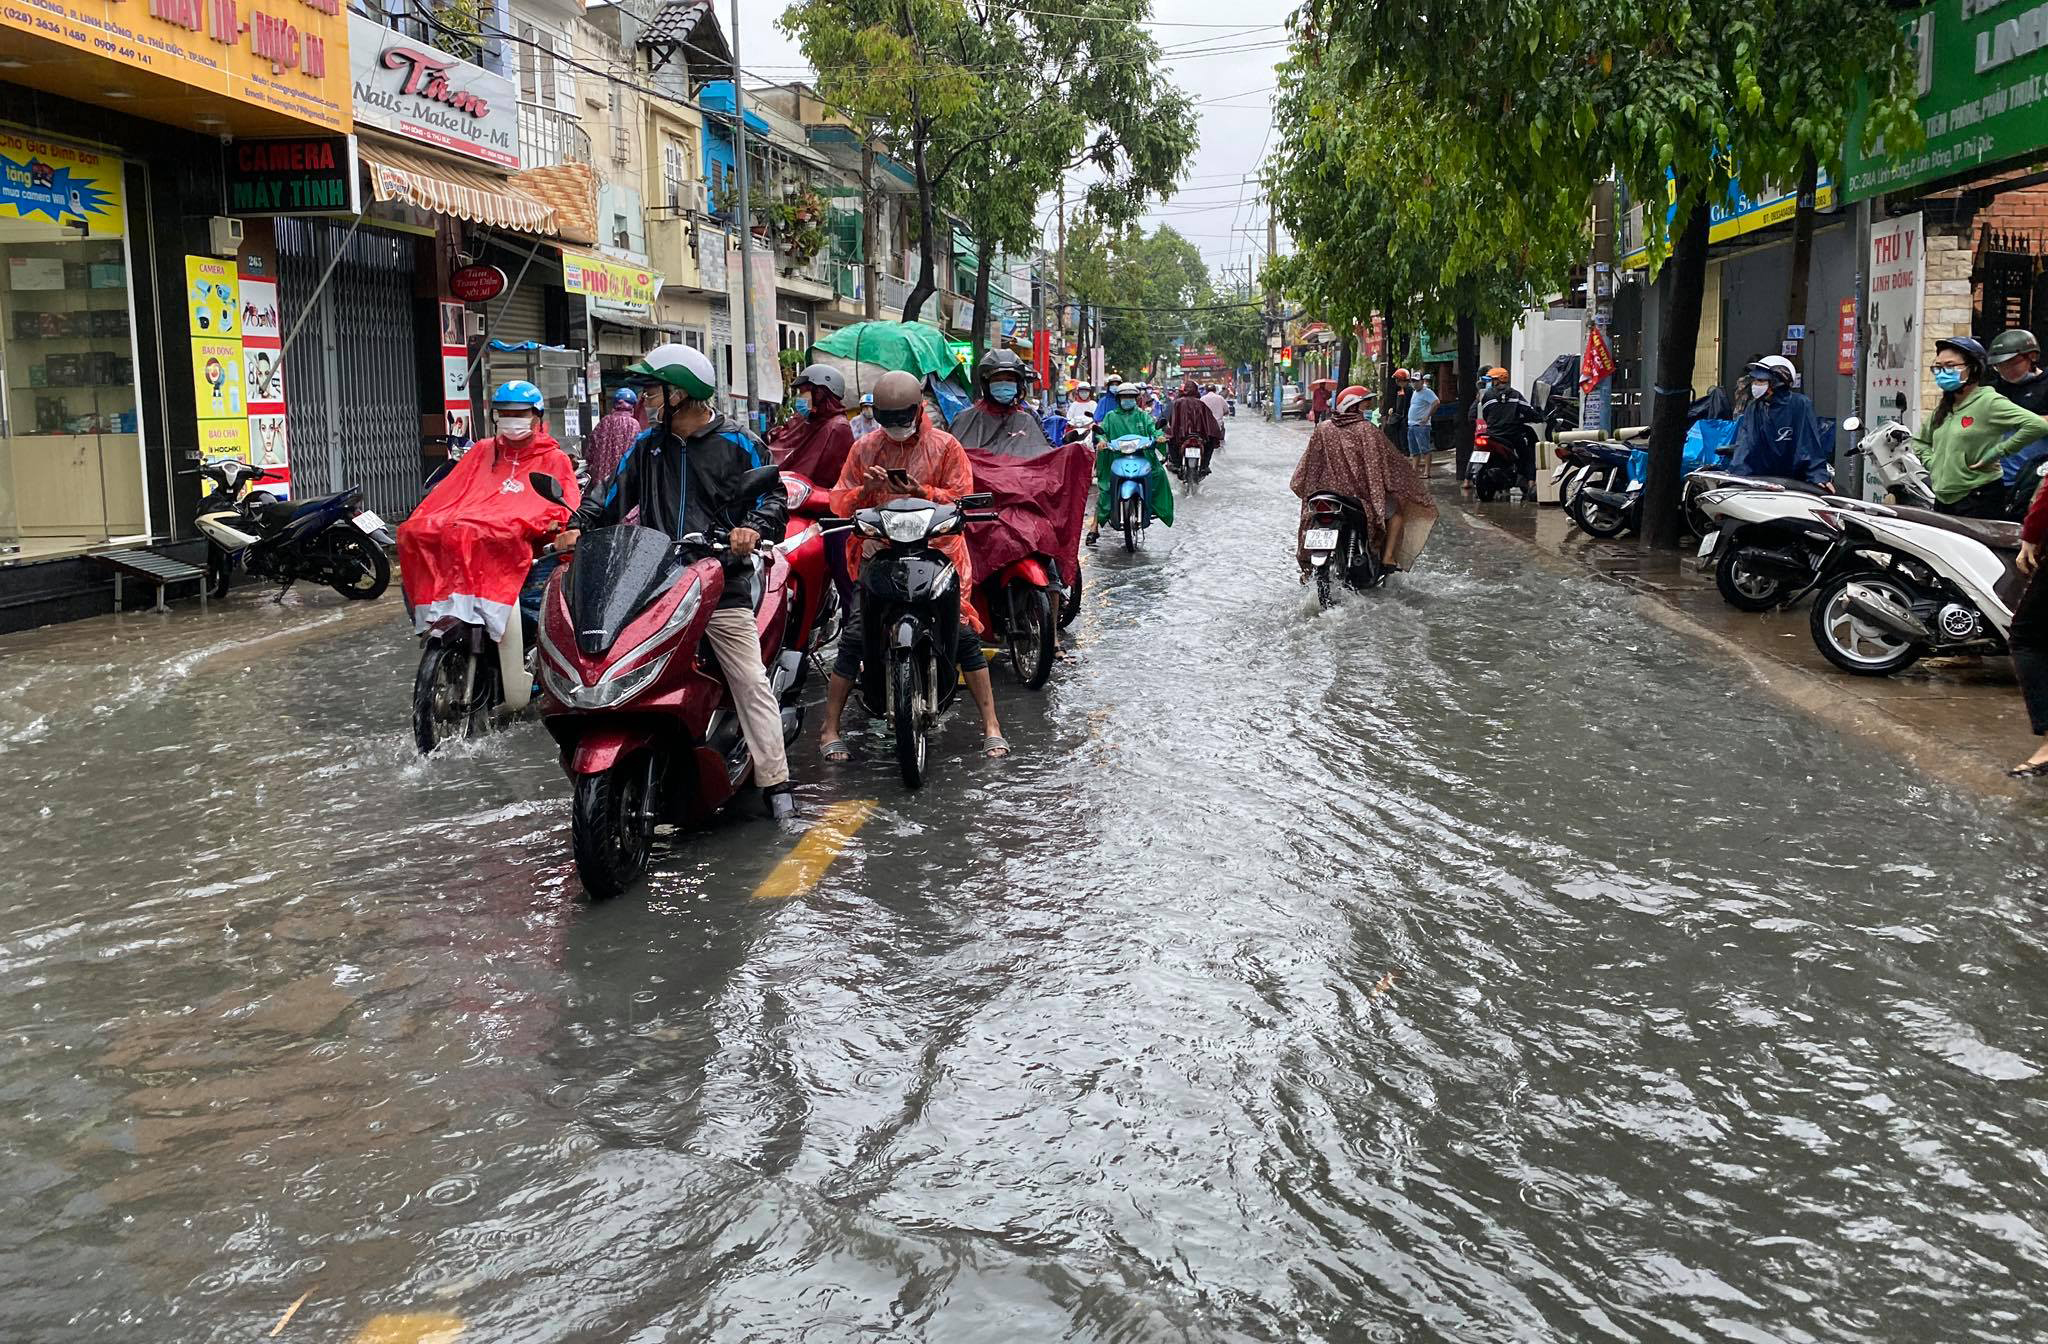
813	443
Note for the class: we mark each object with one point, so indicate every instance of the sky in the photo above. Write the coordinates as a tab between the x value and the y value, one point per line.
1224	63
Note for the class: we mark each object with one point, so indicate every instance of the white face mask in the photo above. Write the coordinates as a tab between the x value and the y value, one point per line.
1760	388
515	427
899	433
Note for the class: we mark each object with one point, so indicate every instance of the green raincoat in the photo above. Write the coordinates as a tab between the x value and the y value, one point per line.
1119	424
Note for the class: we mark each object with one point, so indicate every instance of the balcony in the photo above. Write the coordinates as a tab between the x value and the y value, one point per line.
672	247
548	137
813	280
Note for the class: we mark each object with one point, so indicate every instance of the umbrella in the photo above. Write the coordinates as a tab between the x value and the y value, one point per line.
1322	382
865	351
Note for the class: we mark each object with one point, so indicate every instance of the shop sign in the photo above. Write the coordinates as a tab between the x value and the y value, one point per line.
310	175
49	182
613	282
285	56
422	93
1845	340
1891	367
476	284
1982	96
213	312
1737	213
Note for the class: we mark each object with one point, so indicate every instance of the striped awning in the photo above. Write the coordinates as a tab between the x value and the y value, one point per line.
447	189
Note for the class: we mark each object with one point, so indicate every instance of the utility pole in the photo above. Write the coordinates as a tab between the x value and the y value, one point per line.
1272	323
871	281
1596	410
739	140
1059	322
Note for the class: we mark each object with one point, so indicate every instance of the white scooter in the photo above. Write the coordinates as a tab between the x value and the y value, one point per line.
1763	535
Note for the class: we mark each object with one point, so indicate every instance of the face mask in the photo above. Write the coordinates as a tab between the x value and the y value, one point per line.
899	433
801	405
1003	393
1128	403
1760	388
1948	380
515	427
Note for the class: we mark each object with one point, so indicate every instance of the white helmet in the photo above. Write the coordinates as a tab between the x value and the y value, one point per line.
682	367
1779	369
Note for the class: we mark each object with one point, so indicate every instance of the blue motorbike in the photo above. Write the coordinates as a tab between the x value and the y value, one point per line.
332	539
1130	474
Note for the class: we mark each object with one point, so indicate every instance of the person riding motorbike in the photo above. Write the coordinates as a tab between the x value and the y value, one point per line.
1778	434
813	442
1127	420
997	421
912	457
1219	407
1495	389
611	438
681	474
1972	430
1348	455
1190	419
864	423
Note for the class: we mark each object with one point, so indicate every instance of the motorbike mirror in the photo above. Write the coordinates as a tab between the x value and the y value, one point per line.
547	487
1851	425
757	480
975	501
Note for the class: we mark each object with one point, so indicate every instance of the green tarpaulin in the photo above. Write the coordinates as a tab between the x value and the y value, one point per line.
914	347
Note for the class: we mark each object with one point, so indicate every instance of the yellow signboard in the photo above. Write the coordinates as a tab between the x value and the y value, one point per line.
611	281
213	318
49	182
289	57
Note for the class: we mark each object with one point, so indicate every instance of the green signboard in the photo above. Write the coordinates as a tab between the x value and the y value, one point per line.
1983	95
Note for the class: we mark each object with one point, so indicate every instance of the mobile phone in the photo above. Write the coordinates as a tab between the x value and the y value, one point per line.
900	478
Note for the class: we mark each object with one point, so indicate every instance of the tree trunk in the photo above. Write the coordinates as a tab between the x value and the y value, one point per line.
927	266
1684	284
984	257
1468	389
1344	357
871	276
1802	257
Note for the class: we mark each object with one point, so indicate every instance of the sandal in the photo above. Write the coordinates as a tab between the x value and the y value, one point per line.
1092	538
2031	770
836	751
995	748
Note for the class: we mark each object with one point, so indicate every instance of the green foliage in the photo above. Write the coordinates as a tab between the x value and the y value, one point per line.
1234	326
1150	287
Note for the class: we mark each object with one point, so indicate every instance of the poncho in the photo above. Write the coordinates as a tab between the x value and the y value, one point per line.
1347	456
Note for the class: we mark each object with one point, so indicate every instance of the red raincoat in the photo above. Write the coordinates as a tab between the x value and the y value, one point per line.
466	550
1041	500
814	446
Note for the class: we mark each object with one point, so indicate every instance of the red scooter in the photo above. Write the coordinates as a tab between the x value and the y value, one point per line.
1022	606
634	699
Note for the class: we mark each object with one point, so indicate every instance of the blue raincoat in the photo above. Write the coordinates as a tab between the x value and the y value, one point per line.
1780	436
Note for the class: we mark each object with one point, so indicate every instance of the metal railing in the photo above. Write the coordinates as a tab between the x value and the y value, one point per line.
548	137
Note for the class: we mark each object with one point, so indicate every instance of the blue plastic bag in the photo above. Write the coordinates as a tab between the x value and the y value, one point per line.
1703	444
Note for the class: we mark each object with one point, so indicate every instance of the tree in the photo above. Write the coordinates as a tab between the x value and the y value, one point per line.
1150	289
1672	97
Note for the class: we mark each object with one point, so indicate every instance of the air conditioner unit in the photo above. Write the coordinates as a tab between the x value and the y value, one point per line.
690	196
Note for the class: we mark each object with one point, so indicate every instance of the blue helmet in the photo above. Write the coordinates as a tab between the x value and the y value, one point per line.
625	396
518	393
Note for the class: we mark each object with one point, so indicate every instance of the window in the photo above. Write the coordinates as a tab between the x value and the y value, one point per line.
538	77
622	233
675	172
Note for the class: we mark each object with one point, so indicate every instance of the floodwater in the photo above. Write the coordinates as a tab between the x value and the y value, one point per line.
1477	961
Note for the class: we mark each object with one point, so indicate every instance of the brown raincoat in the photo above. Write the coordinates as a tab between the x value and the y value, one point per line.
1349	456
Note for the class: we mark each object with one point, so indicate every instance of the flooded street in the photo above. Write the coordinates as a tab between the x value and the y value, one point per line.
1477	961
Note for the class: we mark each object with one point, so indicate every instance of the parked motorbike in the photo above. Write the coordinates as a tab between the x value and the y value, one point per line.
1925	583
1130	476
1602	500
332	540
636	700
910	619
1340	547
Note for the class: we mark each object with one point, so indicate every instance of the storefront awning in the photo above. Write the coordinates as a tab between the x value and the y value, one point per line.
448	189
570	190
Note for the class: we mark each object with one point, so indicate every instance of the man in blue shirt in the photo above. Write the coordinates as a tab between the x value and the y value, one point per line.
1420	410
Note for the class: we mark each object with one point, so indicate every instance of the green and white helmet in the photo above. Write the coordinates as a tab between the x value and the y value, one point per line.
682	367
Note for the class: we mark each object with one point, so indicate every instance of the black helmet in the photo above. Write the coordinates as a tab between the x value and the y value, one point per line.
1001	362
2013	341
1971	349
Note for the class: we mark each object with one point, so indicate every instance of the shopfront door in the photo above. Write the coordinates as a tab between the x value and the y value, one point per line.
71	461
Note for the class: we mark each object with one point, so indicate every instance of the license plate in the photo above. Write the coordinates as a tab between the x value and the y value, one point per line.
367	521
1320	539
1480	457
1707	544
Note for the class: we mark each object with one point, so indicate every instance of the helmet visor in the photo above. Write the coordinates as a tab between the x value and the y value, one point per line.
897	417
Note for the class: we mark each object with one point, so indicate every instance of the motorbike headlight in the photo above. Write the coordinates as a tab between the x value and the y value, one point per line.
907	526
614	690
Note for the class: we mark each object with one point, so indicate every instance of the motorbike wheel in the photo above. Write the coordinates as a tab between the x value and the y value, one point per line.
906	703
1743	588
1132	511
1483	491
1030	635
609	829
1851	643
361	569
1326	587
1072	606
220	572
439	712
1600	521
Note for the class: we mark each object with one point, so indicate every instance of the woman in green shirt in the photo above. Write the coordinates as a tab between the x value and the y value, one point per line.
1970	433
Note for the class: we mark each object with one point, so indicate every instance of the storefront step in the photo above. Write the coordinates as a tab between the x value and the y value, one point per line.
73	587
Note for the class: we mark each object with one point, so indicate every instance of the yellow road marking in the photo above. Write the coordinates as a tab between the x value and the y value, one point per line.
411	1327
801	868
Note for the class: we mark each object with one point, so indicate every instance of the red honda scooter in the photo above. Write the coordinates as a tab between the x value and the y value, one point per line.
1020	606
636	701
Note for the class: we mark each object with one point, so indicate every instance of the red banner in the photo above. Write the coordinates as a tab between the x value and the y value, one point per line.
1596	365
1041	356
1845	339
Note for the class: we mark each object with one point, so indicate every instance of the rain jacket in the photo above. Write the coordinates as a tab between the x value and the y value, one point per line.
1191	418
937	462
1122	424
1779	436
814	446
687	485
609	444
1011	431
1348	455
1963	452
466	549
1038	502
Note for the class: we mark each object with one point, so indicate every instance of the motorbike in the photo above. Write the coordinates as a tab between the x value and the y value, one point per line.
1504	450
1193	458
1130	472
1768	547
1023	607
332	539
1920	583
1339	547
910	619
635	698
1593	481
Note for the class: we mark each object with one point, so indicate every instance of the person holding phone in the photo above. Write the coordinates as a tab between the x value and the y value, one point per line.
908	457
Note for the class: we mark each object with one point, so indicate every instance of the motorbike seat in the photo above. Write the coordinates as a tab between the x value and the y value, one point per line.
1999	536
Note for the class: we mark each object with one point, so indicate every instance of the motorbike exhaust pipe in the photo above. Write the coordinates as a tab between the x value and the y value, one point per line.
512	674
1878	609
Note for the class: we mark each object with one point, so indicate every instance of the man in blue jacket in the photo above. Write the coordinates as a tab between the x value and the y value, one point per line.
1778	433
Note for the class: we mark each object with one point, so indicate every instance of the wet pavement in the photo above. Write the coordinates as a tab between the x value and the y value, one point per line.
1478	961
